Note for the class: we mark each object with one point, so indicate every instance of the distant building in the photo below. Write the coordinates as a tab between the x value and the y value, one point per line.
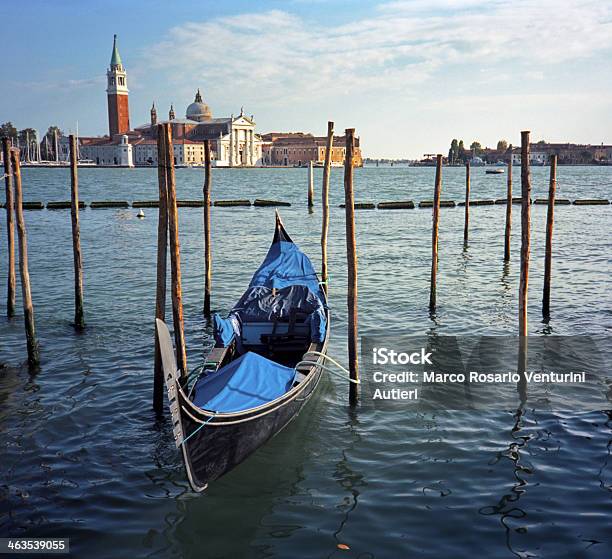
290	149
535	157
233	140
567	153
117	95
186	152
117	152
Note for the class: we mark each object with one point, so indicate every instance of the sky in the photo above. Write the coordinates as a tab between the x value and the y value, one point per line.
409	76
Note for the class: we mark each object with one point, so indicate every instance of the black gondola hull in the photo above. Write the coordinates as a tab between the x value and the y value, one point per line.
216	449
213	443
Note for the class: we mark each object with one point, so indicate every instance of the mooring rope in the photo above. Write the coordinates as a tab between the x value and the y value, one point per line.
328	369
200	427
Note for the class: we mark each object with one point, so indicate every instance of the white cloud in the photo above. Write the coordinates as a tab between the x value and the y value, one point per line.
276	56
409	62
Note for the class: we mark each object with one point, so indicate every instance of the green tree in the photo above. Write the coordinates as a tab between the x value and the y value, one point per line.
453	152
51	131
48	142
502	145
461	151
7	130
27	136
476	147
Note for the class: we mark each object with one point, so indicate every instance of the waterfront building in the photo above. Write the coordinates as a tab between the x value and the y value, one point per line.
233	140
535	157
567	153
116	152
114	149
186	152
290	149
117	95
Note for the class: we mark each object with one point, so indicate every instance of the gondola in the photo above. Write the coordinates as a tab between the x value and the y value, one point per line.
266	364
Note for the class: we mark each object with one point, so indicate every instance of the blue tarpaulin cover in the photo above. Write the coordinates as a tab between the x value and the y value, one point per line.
248	382
291	273
224	329
285	264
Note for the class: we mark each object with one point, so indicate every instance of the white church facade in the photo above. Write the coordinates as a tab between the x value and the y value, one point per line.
233	140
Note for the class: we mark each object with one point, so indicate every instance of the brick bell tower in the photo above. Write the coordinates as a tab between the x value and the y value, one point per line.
117	92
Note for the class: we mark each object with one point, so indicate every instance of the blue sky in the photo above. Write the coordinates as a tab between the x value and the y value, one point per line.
408	75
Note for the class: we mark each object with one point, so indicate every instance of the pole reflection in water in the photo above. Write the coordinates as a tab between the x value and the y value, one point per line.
349	480
507	507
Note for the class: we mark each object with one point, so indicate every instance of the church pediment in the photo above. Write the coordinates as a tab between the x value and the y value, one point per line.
242	121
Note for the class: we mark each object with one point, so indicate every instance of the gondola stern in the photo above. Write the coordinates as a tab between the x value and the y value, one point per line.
170	371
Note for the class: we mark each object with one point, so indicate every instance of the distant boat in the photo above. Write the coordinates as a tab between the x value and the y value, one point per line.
494	171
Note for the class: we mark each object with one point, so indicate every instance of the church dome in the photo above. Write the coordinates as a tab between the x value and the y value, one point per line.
198	110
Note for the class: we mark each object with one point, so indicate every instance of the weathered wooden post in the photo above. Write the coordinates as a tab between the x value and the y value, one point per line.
434	235
508	210
466	225
310	185
79	320
325	202
26	293
207	242
175	255
550	218
351	256
525	232
10	227
162	259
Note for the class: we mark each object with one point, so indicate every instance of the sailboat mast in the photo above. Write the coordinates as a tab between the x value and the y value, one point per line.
56	145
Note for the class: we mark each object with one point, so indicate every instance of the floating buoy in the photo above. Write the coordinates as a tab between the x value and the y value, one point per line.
343	546
140	214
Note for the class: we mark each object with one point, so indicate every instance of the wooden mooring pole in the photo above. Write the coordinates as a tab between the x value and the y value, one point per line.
525	232
466	225
175	255
550	218
325	203
351	256
10	227
207	241
162	259
310	185
79	319
434	235
26	293
508	210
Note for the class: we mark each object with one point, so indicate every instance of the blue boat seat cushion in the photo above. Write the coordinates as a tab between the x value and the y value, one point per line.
247	382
